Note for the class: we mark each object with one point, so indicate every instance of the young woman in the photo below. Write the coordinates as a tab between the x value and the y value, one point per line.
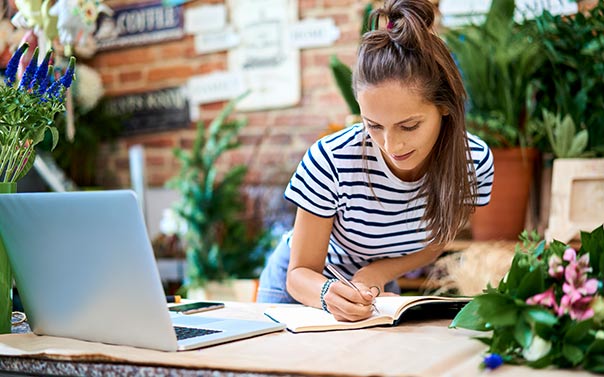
381	198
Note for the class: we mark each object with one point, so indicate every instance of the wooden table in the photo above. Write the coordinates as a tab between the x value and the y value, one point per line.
426	348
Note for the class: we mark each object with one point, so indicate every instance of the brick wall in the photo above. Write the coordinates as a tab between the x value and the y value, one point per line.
273	142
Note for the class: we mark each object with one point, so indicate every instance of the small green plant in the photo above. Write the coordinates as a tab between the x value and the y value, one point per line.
565	141
218	242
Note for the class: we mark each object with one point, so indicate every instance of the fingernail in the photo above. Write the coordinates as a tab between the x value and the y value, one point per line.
369	293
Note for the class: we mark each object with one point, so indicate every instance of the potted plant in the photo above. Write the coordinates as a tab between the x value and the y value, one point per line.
577	181
220	246
570	94
498	60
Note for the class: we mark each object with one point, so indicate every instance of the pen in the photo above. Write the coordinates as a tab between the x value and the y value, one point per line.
347	282
175	299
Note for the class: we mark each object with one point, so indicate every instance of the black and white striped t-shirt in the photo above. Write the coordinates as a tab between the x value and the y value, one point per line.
332	180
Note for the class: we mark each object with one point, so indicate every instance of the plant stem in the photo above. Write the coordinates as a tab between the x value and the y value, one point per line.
22	162
8	156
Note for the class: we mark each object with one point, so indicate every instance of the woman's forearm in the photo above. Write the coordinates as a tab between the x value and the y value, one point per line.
382	271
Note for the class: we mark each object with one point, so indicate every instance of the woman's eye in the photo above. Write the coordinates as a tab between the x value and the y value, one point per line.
373	126
410	127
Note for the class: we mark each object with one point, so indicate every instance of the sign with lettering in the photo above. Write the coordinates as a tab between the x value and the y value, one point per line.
270	64
138	24
160	110
213	87
314	33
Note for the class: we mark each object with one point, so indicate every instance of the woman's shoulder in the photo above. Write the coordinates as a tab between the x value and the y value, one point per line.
481	153
477	144
348	137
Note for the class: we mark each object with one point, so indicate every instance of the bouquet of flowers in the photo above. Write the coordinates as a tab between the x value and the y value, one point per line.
27	111
549	308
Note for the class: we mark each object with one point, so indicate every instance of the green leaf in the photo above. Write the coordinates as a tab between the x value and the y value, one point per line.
468	318
523	333
343	76
531	284
577	331
541	316
497	309
572	353
594	357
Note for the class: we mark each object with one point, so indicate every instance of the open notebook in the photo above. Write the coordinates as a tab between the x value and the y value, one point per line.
392	309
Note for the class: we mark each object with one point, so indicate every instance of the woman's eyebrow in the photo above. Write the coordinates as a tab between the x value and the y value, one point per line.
408	119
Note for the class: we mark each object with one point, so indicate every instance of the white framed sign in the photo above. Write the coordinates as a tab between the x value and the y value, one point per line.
213	87
314	32
266	58
205	18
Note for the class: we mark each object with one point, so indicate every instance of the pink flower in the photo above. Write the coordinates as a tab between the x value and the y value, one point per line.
580	309
556	270
547	299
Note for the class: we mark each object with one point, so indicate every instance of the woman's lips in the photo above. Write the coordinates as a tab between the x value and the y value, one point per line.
402	157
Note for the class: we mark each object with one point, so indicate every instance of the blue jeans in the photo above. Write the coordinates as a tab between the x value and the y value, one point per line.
271	288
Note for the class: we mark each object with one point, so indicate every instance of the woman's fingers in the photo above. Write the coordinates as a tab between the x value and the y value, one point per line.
346	304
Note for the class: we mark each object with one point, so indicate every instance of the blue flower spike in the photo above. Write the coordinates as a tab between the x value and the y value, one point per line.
492	361
13	65
42	70
30	71
44	84
69	75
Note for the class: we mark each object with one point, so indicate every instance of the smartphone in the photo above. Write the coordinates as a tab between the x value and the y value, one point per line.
196	307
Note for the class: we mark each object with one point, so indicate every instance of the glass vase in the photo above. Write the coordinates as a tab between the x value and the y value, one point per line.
6	277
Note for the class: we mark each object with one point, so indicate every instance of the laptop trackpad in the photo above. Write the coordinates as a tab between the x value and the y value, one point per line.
191	320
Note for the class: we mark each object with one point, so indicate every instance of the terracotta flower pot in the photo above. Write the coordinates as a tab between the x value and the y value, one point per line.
504	217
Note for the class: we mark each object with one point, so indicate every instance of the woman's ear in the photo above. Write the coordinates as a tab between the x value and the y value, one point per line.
443	111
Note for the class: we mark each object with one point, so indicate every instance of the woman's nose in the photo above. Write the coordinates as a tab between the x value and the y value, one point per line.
393	142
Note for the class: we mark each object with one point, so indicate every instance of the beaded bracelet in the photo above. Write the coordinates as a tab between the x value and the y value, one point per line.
324	290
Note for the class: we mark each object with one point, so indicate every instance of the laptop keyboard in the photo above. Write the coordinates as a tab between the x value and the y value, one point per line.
191	332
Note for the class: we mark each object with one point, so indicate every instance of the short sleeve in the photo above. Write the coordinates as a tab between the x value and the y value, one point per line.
485	170
313	187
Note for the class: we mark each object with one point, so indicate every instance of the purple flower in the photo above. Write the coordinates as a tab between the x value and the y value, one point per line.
30	71
67	78
492	361
13	65
44	84
41	72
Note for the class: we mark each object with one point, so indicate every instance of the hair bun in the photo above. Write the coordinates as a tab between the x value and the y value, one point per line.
409	21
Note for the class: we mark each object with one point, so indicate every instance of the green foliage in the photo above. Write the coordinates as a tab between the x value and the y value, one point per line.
543	333
498	60
565	141
570	81
94	127
343	74
219	244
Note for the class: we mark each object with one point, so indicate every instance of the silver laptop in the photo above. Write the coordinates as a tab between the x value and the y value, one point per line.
85	269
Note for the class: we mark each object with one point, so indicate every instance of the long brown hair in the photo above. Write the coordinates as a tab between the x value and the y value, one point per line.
408	51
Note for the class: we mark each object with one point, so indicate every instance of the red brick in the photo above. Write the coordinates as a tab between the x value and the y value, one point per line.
300	120
183	48
279	139
209	67
153	141
171	72
130	76
155	160
338	3
128	56
108	78
122	163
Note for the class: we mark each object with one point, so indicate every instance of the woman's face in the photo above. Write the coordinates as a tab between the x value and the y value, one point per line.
402	124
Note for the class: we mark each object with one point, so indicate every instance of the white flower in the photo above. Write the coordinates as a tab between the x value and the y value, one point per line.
88	88
171	223
539	347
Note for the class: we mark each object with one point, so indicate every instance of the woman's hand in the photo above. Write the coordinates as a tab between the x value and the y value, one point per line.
347	304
